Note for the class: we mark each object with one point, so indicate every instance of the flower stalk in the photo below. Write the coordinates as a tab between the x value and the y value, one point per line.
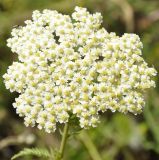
64	139
89	145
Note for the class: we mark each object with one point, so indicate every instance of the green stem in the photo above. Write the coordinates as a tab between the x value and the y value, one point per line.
86	140
64	139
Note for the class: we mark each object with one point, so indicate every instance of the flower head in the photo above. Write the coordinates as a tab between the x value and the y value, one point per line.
71	65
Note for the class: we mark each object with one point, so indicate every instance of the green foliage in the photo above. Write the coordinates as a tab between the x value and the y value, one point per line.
38	152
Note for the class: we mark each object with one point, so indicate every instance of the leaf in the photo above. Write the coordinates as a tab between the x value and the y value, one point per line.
38	152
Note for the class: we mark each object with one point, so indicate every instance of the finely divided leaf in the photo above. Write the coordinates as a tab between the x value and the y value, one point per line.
38	152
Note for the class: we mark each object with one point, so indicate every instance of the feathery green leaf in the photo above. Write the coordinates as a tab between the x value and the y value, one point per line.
38	152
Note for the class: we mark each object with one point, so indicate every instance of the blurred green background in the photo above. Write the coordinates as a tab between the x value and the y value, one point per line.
118	137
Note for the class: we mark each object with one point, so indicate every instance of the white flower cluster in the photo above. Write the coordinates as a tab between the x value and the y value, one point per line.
70	65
